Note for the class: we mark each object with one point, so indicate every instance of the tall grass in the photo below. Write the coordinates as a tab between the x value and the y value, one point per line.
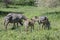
53	15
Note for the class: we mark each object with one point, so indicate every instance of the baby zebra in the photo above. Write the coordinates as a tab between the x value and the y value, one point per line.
42	20
29	23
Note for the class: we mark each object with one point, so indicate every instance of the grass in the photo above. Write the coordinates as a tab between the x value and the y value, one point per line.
19	34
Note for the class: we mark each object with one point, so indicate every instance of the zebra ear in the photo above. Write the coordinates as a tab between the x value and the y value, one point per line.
36	17
31	19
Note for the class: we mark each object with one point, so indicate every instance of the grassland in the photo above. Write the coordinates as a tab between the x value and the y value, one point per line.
53	15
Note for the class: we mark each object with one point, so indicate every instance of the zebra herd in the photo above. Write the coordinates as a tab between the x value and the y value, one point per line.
21	19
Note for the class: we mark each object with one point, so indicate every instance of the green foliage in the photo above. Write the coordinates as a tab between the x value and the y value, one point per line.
23	2
53	15
44	3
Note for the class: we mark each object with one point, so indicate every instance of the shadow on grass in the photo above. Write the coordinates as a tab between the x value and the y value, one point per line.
3	13
12	7
51	13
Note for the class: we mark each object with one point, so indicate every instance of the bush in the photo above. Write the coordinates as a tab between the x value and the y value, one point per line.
48	3
22	2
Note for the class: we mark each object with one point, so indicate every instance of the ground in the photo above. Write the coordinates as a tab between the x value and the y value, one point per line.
53	15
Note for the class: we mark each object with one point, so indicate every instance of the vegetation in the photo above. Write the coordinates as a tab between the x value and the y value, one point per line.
49	8
53	15
44	3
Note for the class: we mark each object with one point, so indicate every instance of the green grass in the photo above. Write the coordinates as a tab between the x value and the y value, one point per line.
53	15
